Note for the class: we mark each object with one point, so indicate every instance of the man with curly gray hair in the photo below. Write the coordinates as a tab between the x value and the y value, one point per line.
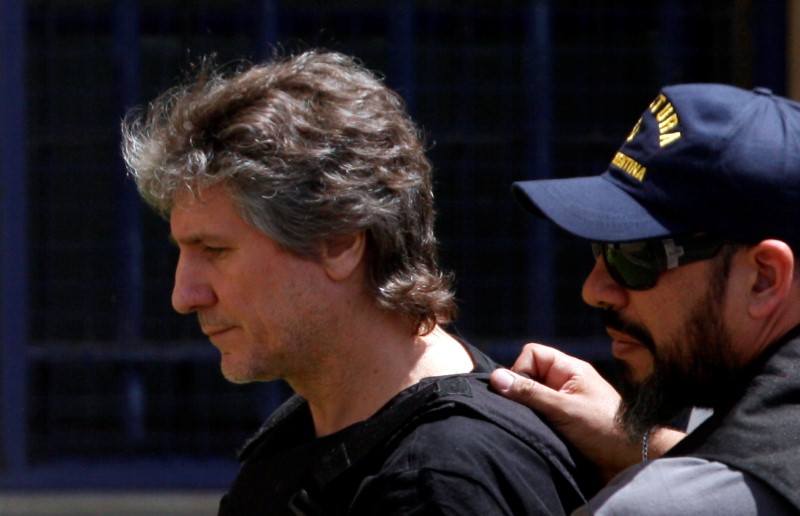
300	198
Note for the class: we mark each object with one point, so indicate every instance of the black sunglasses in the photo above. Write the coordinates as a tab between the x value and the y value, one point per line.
637	265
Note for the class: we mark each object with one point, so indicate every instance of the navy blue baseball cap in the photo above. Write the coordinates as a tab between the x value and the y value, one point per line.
703	157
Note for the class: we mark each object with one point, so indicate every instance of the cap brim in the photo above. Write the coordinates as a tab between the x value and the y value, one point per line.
593	208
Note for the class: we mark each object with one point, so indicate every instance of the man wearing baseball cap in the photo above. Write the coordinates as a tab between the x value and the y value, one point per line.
696	229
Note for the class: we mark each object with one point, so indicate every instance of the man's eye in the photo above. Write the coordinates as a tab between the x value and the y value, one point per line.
214	250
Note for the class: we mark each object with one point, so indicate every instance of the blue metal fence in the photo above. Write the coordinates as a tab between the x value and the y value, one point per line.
14	314
102	385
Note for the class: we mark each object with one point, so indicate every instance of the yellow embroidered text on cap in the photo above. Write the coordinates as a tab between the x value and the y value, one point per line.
667	120
629	165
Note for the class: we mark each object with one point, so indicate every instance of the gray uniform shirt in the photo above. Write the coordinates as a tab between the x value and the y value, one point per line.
685	485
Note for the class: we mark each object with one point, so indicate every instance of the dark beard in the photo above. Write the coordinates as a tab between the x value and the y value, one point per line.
695	369
650	403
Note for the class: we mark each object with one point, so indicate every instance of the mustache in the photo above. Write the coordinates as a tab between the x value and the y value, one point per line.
614	320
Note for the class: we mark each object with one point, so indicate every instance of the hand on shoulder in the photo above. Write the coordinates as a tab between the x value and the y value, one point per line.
578	401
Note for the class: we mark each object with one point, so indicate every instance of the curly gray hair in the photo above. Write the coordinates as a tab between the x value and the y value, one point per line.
311	147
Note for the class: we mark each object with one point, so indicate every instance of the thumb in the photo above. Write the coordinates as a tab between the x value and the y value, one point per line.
523	390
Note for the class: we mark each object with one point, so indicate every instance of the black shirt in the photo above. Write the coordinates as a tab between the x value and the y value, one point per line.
444	446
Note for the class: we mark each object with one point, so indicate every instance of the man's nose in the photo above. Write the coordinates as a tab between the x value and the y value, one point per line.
192	290
601	291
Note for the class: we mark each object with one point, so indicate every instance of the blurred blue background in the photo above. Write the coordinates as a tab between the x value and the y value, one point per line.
103	386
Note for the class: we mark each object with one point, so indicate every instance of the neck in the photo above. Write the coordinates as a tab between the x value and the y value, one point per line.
367	369
783	321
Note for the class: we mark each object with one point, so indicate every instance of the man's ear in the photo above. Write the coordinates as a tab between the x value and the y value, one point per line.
342	254
774	265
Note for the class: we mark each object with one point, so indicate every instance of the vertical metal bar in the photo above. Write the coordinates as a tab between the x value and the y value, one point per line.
770	51
793	49
670	21
130	260
540	282
401	49
13	238
266	29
